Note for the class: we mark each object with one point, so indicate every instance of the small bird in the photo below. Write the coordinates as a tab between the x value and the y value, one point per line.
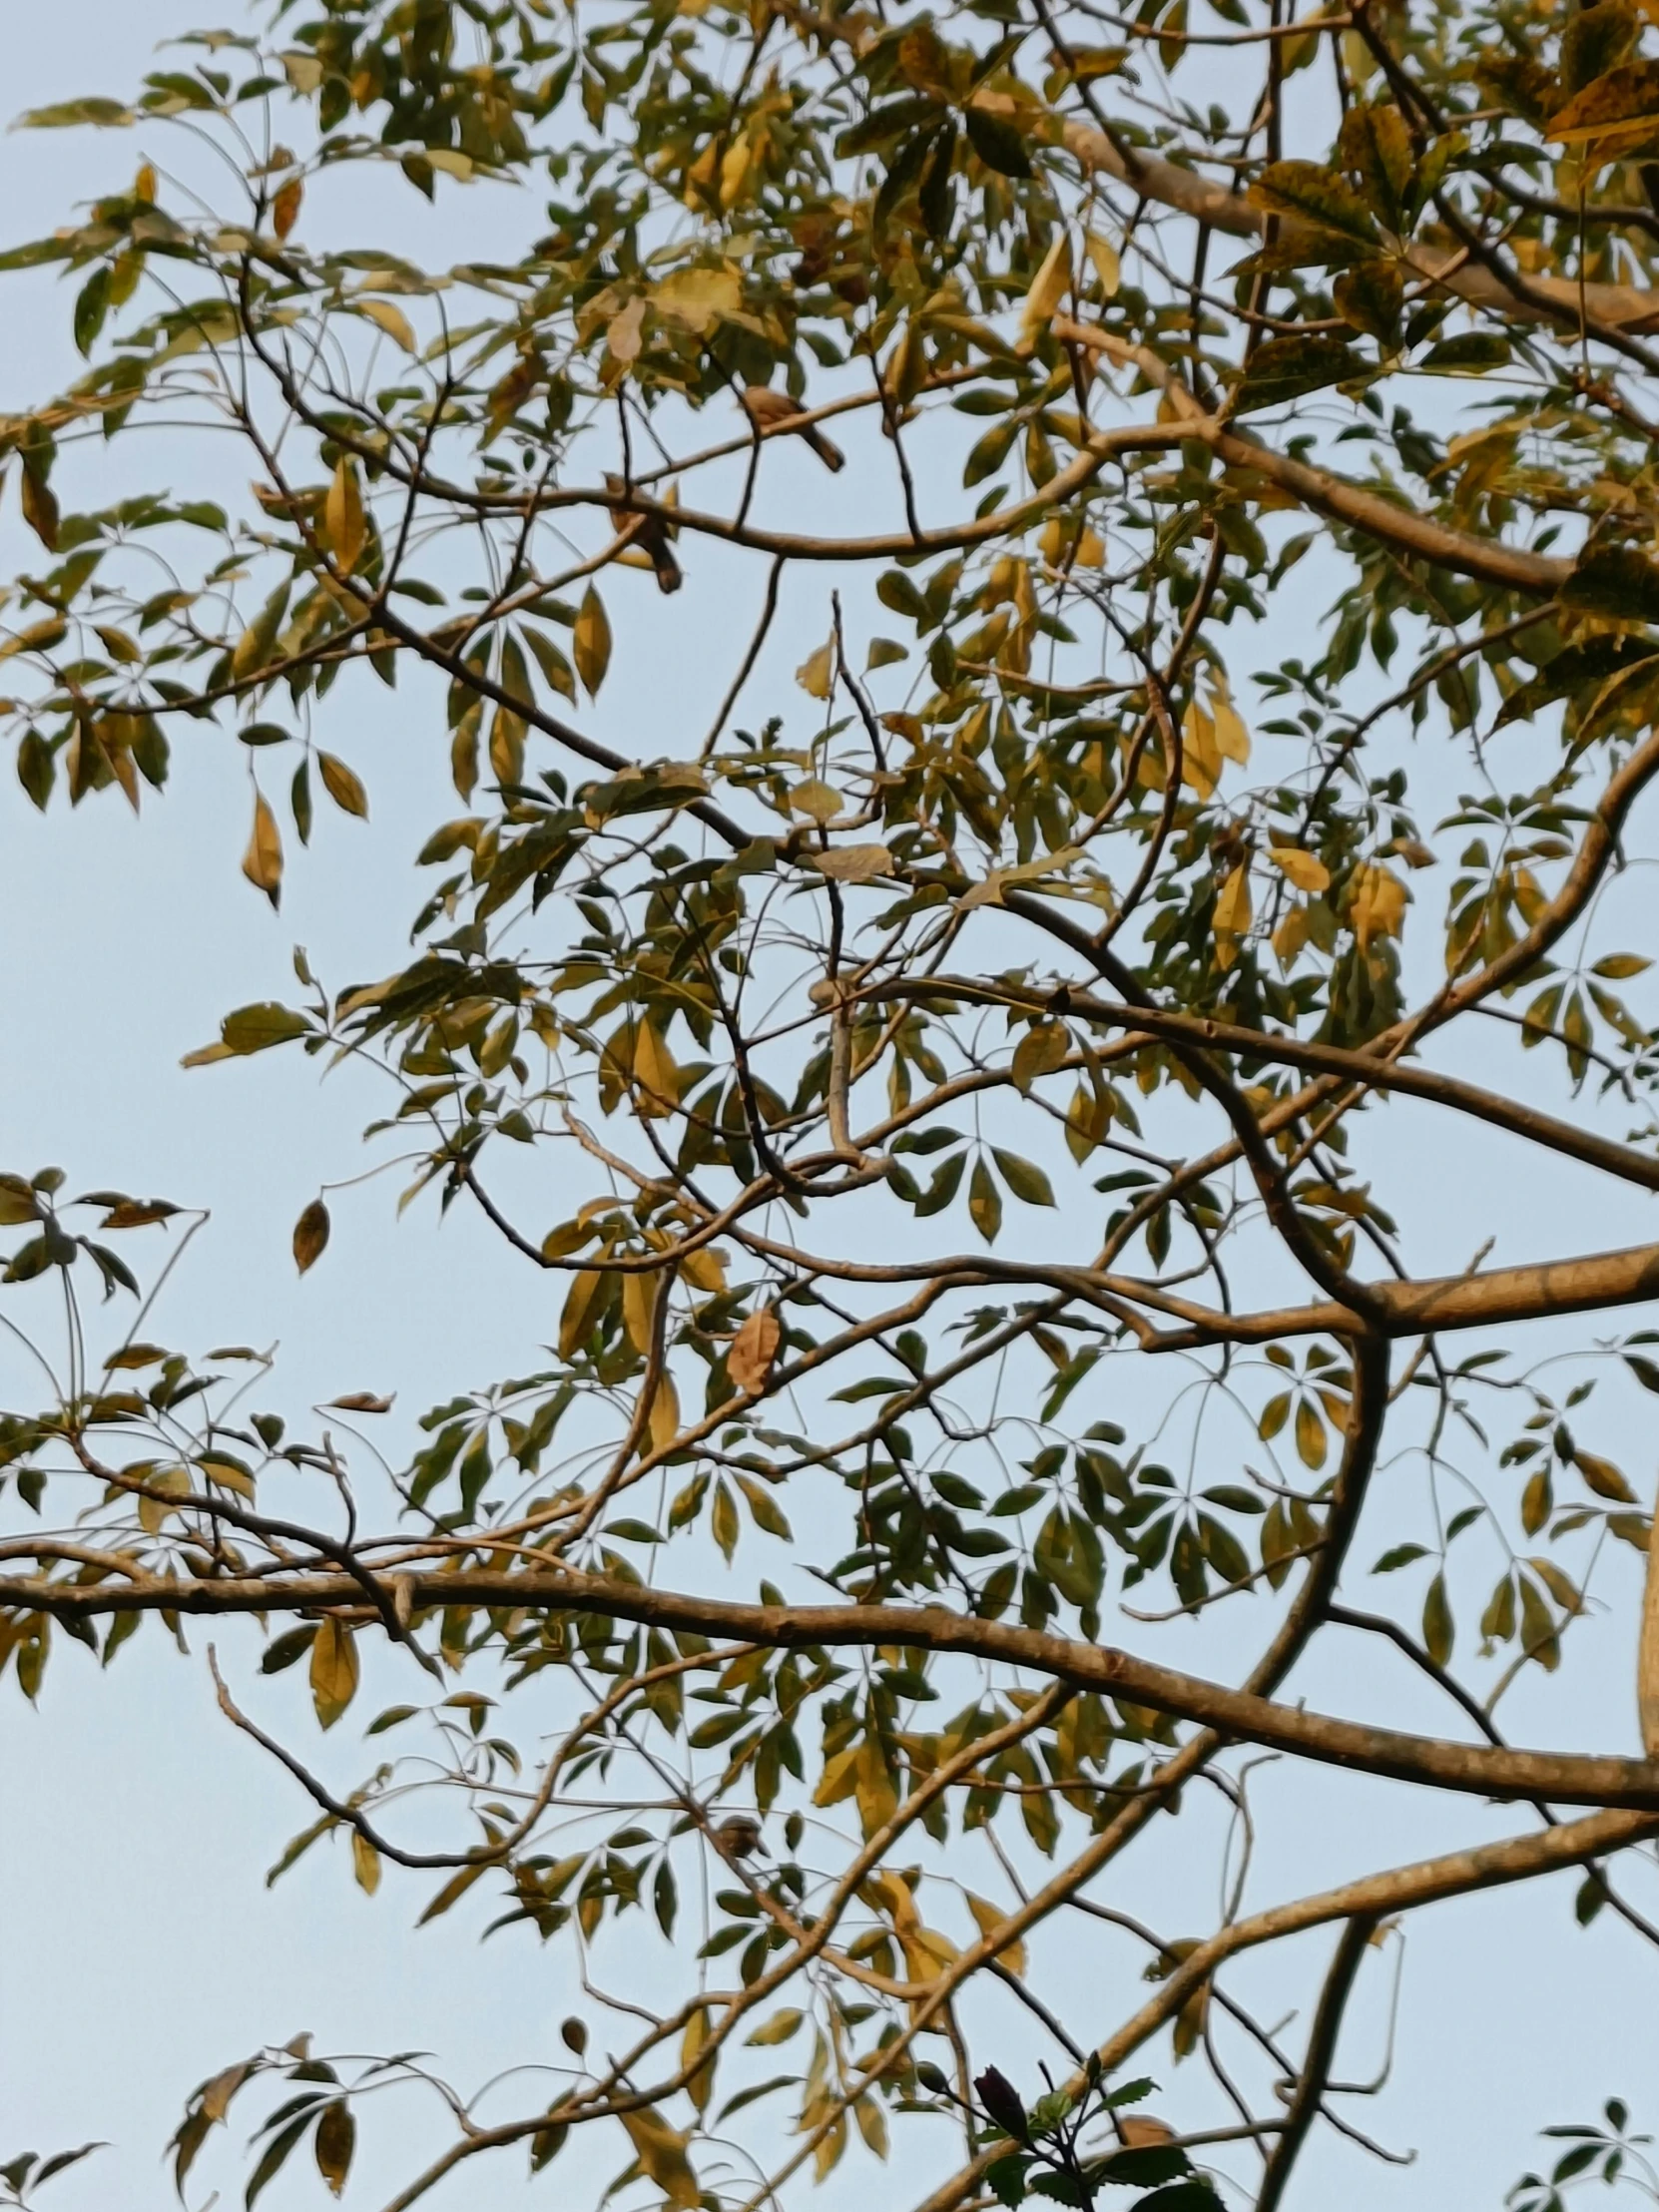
651	538
739	1836
771	409
1142	2130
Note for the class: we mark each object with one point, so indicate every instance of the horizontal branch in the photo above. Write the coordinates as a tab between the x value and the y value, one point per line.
1536	1292
1480	1770
1323	492
1366	1066
1373	1896
1099	448
1552	299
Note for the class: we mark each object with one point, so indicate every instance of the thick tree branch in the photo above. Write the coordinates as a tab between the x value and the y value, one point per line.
1477	1769
1315	2066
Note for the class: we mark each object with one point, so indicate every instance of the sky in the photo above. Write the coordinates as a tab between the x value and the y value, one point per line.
139	1948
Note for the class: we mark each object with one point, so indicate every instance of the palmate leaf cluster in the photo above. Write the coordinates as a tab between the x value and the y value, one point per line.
920	1071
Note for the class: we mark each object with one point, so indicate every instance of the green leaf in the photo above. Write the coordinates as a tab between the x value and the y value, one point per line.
1398	1555
452	1892
1026	1180
275	2156
256	1029
991	451
985	1202
884	126
1616	582
1438	1628
1471	349
1595	40
102	114
997	143
1285	369
1376	144
722	1520
1005	2178
1370	298
1314	194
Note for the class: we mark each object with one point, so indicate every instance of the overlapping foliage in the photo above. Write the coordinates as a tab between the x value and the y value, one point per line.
937	1086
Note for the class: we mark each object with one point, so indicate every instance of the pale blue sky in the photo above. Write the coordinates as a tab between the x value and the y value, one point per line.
139	1950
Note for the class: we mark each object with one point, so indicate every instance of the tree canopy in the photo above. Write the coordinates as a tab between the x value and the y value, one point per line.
789	1046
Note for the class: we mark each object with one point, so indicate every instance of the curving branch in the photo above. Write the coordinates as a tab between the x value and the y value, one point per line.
1568	1778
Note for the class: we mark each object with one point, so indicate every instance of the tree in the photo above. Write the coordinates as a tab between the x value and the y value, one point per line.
790	1052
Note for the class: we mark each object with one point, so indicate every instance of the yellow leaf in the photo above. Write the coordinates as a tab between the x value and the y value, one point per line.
507	731
172	1482
366	1861
928	1953
333	2143
1232	737
261	863
874	1786
990	1918
816	676
1291	936
697	298
225	1475
581	1306
1104	258
1088	1118
754	1348
704	1270
1311	1443
392	321
310	1235
840	1777
463	748
872	2124
343	786
333	1670
1378	903
1231	919
639	1305
654	1070
888	1890
40	509
1039	1052
700	177
853	863
733	172
591	642
1304	870
665	1414
826	2156
1200	753
624	335
818	801
1048	289
1603	1477
284	208
661	2151
700	2085
144	184
345	526
907	370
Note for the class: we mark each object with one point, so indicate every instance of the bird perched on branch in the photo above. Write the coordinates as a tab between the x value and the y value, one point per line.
649	538
771	408
739	1836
